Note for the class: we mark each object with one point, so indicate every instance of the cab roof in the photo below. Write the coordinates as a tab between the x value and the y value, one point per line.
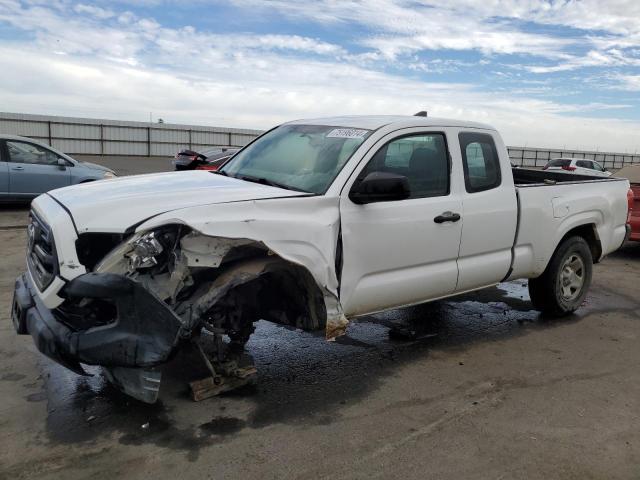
374	122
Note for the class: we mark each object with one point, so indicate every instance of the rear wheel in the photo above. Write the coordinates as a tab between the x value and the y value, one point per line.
561	289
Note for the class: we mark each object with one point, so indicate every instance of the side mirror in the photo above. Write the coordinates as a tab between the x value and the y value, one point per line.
380	187
62	163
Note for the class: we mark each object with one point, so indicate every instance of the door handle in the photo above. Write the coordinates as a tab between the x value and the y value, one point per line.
17	168
447	217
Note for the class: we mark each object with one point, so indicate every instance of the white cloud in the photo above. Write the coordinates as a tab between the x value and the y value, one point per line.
94	11
258	92
125	66
290	42
401	27
593	58
627	82
131	37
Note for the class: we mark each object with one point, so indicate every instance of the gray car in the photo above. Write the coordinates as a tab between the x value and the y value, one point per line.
29	168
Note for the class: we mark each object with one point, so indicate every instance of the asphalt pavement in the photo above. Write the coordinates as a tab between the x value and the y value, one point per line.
477	386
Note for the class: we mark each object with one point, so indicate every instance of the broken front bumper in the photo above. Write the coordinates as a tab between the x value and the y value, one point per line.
143	334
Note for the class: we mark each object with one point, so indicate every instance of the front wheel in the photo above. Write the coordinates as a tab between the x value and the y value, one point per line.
561	289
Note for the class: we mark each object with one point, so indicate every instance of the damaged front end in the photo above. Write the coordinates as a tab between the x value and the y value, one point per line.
108	320
156	290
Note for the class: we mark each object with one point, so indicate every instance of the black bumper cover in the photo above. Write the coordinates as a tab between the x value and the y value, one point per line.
143	335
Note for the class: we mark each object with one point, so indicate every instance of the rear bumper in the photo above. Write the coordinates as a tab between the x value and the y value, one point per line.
143	335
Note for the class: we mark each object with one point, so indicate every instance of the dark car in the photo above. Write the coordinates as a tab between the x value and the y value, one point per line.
210	159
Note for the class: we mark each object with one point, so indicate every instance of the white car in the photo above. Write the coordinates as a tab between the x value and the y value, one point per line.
313	224
577	166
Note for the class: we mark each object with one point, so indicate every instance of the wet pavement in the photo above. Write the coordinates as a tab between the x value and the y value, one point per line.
479	386
302	377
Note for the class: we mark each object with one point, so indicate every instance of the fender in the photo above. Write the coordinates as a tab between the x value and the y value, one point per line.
286	228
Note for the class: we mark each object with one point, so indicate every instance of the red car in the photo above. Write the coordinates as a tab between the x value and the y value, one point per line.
215	161
632	173
211	159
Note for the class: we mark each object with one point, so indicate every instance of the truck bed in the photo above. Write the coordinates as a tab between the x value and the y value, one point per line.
527	176
550	204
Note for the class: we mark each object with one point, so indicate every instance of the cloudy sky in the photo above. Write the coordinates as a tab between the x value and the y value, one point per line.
549	73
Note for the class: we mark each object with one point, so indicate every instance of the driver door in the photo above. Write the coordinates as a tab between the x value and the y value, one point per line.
396	253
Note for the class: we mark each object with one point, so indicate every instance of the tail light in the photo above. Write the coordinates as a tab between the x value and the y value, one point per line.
568	168
208	167
630	200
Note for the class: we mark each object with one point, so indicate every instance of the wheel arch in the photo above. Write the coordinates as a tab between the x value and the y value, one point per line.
560	290
263	286
589	233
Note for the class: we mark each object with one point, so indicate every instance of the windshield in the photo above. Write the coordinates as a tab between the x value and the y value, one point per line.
299	157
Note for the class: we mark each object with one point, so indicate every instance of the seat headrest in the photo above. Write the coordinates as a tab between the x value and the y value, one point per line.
424	160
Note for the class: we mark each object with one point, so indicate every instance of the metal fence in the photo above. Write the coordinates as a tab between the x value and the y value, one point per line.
111	137
538	157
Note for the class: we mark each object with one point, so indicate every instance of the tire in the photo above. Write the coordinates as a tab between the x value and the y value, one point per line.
562	287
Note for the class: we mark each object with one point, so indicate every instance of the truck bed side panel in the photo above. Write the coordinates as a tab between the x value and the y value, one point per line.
549	212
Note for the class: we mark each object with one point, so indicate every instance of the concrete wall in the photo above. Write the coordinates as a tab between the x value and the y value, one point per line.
106	138
109	137
538	157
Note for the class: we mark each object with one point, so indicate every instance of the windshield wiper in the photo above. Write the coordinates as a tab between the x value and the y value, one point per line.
271	183
221	172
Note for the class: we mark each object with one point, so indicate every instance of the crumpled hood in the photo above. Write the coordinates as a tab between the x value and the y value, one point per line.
113	206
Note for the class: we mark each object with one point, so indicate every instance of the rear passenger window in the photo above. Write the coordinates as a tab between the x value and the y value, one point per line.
480	162
422	158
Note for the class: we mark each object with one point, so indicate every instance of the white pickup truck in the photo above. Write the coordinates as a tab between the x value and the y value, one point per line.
314	223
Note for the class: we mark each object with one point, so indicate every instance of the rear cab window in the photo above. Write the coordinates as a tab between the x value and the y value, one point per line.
480	162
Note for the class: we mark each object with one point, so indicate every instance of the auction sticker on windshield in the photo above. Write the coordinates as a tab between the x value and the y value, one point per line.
347	133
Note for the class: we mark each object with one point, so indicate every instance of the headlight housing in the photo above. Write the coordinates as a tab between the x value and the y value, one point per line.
109	175
141	251
145	250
